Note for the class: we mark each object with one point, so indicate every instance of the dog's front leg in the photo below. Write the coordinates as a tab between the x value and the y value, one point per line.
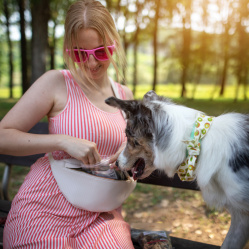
238	233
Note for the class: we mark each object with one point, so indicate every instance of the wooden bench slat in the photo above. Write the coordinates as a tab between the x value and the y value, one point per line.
159	178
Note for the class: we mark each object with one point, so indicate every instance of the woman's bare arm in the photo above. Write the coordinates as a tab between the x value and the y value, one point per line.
42	98
30	109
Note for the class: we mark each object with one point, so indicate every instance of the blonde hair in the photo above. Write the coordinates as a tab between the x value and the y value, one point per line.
91	14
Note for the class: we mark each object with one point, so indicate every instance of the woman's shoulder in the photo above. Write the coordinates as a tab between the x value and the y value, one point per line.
125	91
50	79
128	92
50	83
56	75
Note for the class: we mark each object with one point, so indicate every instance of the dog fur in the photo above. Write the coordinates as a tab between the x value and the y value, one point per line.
155	130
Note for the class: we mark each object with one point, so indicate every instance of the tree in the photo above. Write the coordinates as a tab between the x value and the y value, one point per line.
57	16
10	46
23	47
155	43
226	13
161	12
185	10
138	19
40	16
242	55
119	9
203	49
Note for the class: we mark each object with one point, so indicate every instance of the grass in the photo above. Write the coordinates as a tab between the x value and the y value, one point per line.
4	92
6	105
203	91
201	102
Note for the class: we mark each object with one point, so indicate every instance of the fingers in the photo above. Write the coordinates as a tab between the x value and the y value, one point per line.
97	157
91	154
93	157
114	158
83	150
113	166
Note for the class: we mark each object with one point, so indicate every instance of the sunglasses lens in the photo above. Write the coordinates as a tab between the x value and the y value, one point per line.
101	54
110	50
77	56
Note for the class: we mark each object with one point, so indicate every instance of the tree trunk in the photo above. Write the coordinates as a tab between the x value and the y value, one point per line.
10	55
185	58
198	79
135	61
155	45
224	74
52	47
245	83
23	47
40	17
136	42
125	42
203	49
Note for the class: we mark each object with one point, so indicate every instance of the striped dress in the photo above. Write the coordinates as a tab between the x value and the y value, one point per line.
40	216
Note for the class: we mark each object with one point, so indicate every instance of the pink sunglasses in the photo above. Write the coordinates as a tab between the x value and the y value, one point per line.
99	53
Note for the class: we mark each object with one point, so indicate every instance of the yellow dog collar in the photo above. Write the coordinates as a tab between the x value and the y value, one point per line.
186	170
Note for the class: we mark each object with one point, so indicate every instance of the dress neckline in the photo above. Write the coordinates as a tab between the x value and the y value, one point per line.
90	102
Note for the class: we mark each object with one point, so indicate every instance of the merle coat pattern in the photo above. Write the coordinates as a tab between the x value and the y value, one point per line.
155	130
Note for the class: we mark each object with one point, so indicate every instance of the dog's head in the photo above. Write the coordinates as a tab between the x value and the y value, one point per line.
138	156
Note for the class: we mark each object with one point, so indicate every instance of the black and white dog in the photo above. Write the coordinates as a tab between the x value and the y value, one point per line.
156	129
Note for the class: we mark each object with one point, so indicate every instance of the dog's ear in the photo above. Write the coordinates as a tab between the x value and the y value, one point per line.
149	96
128	106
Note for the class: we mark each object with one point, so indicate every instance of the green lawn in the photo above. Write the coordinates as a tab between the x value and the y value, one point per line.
203	91
213	107
6	105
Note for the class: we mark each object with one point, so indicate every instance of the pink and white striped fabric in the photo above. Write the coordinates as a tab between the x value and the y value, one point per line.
40	216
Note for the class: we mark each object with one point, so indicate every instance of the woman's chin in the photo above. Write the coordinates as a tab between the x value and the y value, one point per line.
94	74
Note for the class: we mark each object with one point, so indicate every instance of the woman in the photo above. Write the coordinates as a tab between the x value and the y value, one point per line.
80	125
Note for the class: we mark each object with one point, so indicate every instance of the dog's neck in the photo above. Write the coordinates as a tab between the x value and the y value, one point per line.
186	170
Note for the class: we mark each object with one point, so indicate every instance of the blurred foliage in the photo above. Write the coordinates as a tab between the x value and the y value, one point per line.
198	42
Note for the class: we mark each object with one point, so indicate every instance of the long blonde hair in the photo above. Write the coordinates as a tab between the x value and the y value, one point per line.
91	14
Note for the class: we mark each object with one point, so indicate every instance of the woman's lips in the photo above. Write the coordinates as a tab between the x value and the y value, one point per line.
95	69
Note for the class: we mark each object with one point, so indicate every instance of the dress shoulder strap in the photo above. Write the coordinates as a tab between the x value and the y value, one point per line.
114	88
116	92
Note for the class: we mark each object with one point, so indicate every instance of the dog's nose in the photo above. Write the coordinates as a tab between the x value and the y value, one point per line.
116	163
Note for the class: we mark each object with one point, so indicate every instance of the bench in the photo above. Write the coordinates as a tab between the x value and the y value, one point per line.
162	180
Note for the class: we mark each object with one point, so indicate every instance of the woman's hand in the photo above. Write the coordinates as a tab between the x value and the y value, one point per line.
81	149
116	155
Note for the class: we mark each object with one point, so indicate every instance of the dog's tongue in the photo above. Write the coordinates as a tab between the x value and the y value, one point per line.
138	169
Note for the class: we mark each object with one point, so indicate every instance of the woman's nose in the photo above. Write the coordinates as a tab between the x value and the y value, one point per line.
92	60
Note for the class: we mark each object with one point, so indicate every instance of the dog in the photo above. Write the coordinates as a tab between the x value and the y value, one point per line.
158	135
